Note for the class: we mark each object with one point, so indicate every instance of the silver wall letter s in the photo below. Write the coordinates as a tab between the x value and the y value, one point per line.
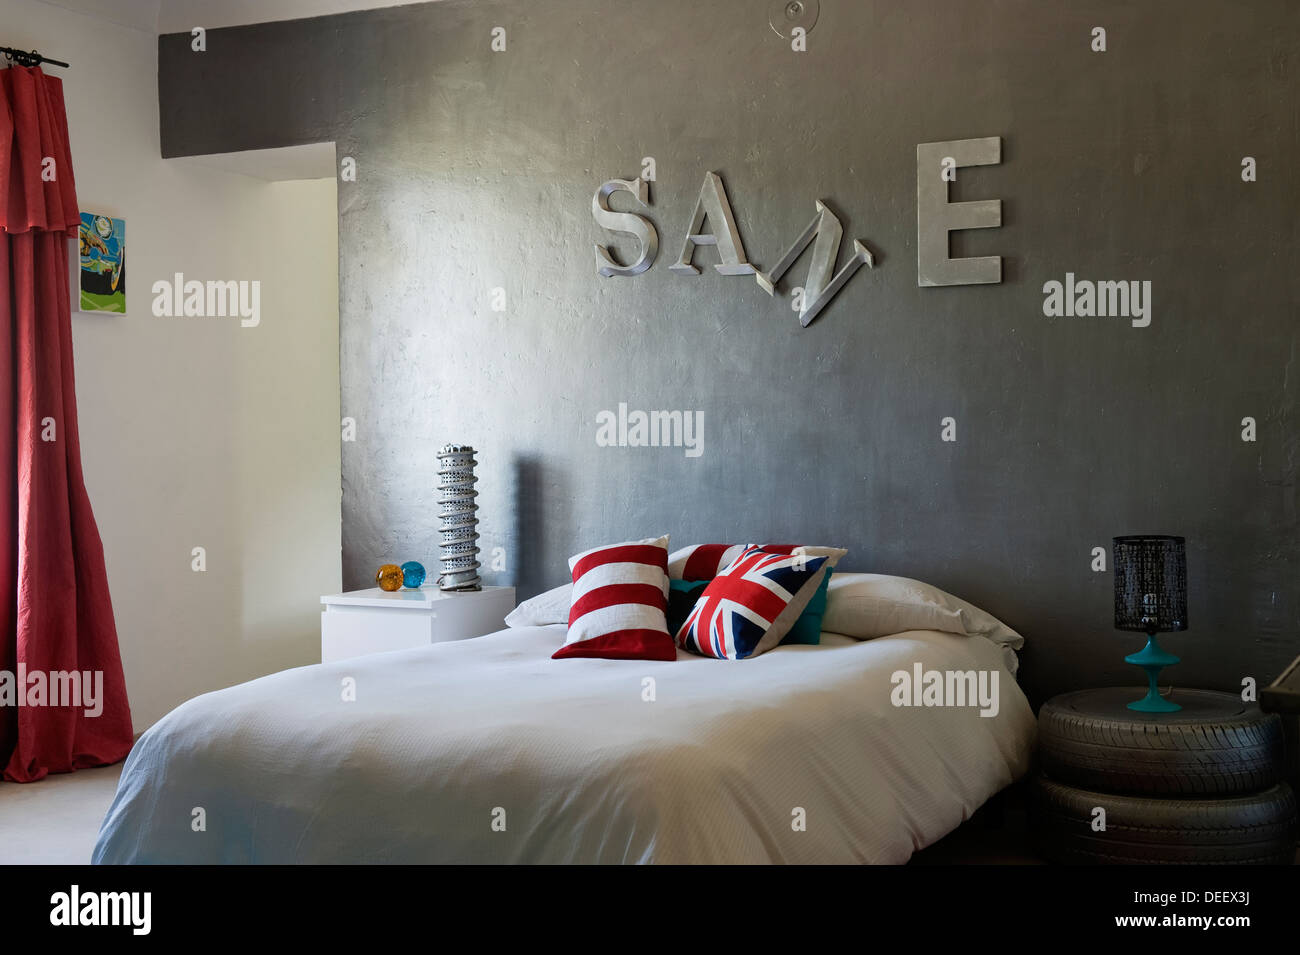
936	216
713	203
628	222
820	287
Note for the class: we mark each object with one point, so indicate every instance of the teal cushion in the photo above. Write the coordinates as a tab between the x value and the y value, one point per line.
682	595
808	628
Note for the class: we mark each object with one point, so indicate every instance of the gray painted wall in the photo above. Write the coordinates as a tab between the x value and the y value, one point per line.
476	170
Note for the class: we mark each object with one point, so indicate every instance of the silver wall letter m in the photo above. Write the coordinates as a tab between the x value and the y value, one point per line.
821	287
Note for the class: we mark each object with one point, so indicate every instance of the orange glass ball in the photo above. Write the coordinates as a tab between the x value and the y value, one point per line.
389	577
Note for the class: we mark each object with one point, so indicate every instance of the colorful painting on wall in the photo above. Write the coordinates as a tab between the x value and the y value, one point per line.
103	264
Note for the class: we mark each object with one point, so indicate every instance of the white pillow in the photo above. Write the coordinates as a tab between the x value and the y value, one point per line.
544	609
876	605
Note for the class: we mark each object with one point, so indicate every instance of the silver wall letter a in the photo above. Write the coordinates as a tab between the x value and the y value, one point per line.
821	288
713	203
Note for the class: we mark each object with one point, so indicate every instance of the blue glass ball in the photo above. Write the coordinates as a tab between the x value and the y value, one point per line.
412	574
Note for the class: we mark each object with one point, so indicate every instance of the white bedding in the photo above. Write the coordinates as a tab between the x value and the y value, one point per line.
441	739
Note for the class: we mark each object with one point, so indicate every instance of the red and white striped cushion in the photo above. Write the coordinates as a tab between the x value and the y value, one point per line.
620	595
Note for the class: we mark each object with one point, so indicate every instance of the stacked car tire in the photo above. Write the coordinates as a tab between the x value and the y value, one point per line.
1200	786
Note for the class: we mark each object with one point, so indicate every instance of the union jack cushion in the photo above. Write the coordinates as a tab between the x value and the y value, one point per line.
620	594
752	604
706	561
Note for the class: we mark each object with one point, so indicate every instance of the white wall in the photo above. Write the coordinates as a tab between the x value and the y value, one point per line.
181	16
197	432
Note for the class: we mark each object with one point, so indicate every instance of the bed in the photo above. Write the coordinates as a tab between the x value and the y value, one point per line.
488	751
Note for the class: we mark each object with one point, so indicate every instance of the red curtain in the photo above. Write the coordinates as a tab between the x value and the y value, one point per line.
56	617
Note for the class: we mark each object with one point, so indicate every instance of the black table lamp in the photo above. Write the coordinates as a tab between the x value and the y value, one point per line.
1151	597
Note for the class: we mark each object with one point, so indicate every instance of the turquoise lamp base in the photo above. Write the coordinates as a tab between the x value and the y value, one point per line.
1152	658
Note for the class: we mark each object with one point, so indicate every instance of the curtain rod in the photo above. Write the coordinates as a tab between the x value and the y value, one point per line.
32	58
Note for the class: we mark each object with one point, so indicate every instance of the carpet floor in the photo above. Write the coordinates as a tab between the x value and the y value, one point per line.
55	821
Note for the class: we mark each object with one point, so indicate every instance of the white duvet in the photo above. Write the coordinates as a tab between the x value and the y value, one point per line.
488	751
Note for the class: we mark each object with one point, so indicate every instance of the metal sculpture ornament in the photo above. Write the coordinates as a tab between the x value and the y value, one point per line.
936	218
459	516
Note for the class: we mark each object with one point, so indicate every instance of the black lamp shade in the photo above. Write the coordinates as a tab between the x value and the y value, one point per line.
1150	583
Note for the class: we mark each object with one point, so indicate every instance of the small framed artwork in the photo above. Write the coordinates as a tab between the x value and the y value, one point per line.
102	282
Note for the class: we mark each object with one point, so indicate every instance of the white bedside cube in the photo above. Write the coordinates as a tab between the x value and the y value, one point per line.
375	621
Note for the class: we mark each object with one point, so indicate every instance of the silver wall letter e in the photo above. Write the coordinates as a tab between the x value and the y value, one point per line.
936	216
